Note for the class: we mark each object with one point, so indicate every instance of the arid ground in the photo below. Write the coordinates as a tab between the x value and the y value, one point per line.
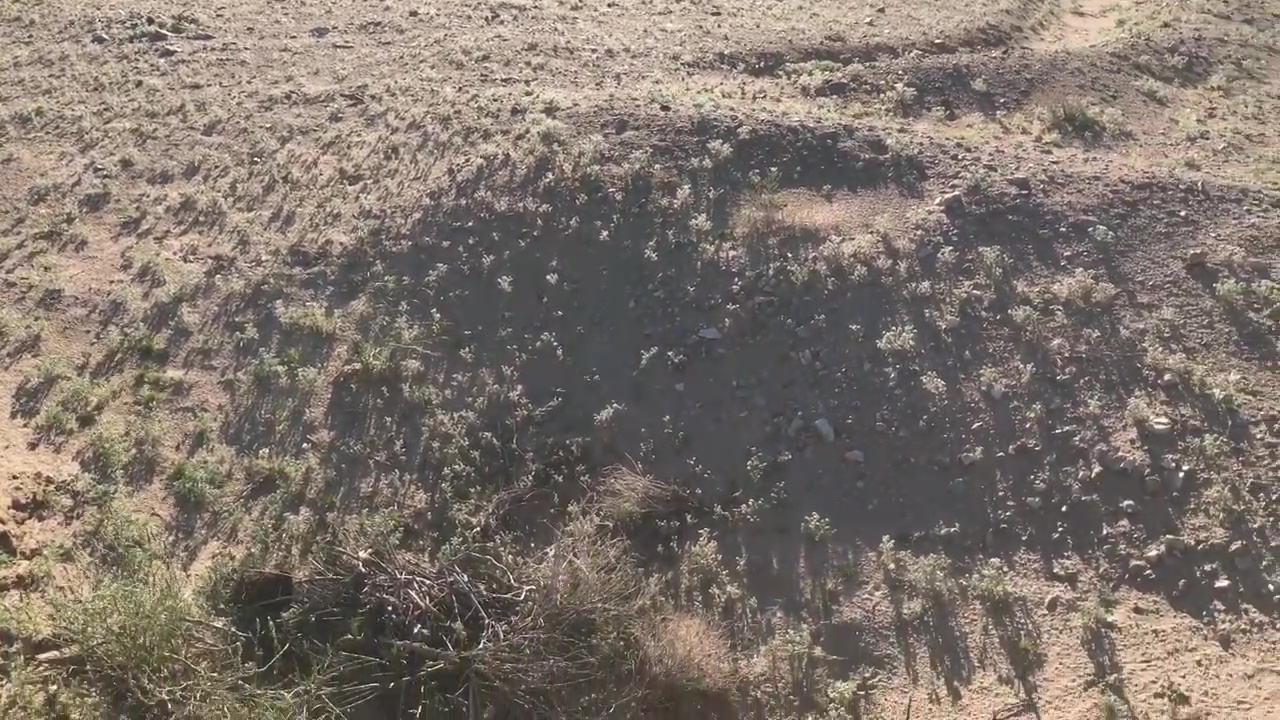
750	359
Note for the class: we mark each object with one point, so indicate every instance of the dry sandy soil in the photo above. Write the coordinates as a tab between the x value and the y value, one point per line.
952	330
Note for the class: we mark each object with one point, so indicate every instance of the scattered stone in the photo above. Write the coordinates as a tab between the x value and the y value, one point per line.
1035	503
972	456
950	201
824	429
415	13
1197	257
949	533
1052	603
1169	381
855	456
1239	547
1129	507
1151	483
1175	543
320	31
1182	588
1176	480
709	334
1222	585
202	35
100	38
1138	567
168	50
997	391
1273	313
1153	556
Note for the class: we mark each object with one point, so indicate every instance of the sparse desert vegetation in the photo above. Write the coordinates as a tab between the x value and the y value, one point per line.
581	359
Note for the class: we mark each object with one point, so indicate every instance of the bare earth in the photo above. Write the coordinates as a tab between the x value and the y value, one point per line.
952	327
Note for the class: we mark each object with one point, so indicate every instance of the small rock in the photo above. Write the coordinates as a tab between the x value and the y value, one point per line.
320	31
1129	507
168	50
949	533
997	391
824	429
1222	585
855	456
971	457
202	35
1238	547
1153	556
1175	543
1022	182
1138	567
709	334
100	38
1273	313
1052	603
1182	588
1035	503
1197	257
950	201
1151	483
795	427
1247	563
1160	425
415	13
1169	381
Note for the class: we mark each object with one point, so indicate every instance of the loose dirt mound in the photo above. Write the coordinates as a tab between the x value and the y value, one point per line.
940	344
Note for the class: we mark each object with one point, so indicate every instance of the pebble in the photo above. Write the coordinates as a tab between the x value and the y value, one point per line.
1174	543
1138	567
168	50
949	201
824	429
1151	483
320	31
709	334
1223	585
1197	257
1052	603
99	38
1035	503
1153	556
1128	506
855	456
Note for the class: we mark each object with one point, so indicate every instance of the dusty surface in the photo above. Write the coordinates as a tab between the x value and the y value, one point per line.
994	283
